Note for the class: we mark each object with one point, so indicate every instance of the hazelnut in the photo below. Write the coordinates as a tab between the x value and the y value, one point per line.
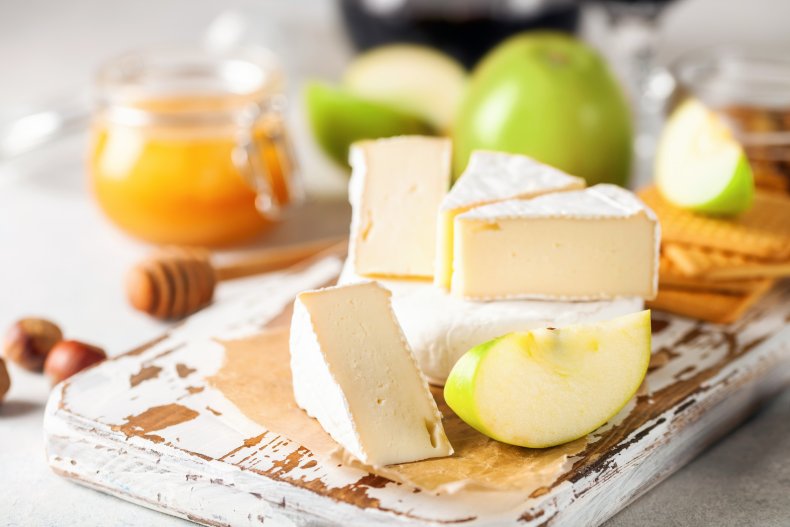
69	357
28	342
5	380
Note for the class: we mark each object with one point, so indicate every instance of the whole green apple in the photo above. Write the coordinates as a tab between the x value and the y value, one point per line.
551	97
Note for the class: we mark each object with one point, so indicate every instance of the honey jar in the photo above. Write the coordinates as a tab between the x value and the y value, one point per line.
191	147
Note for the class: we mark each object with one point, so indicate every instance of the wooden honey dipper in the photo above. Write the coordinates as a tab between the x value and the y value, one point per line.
177	281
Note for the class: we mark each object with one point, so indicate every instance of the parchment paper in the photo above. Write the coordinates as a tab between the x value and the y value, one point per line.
256	377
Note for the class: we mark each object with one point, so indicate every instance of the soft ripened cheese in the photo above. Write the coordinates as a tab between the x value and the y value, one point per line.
354	372
441	327
598	243
491	177
395	190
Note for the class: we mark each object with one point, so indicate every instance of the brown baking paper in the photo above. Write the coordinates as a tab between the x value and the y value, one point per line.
256	377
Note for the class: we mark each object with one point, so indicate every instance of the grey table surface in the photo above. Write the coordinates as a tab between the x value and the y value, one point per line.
54	247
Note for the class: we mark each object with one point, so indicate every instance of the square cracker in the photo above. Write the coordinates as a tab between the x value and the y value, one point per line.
714	265
716	307
763	232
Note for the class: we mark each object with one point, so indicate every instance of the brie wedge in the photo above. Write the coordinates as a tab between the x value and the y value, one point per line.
491	177
395	190
598	243
354	372
440	327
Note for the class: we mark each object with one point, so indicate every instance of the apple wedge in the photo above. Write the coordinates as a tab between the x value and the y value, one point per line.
339	118
546	387
699	164
412	78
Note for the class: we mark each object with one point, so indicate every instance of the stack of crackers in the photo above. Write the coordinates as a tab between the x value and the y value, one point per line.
715	268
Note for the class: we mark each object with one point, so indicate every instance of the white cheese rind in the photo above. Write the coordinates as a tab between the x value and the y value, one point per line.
315	389
491	177
441	327
497	176
600	201
598	243
354	372
396	187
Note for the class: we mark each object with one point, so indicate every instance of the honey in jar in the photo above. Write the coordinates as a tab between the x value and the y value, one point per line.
190	147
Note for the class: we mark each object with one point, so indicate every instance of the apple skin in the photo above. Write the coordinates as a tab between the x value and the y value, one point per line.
461	385
737	197
338	119
551	97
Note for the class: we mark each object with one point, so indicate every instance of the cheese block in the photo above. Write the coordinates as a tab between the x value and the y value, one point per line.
491	177
395	190
354	372
440	327
598	243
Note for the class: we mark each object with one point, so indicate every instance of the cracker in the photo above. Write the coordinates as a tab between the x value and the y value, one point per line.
670	277
714	265
716	307
769	176
762	232
693	261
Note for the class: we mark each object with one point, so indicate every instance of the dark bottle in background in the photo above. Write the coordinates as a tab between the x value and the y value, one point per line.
465	29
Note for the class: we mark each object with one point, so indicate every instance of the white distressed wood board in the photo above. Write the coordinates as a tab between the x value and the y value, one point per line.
207	462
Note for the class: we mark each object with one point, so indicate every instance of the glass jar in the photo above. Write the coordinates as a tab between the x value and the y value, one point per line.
750	90
190	147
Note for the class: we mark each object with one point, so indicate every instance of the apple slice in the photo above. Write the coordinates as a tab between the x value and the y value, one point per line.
550	386
699	164
339	118
412	78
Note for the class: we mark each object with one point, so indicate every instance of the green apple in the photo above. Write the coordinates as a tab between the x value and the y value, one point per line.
339	118
699	164
412	78
550	386
549	96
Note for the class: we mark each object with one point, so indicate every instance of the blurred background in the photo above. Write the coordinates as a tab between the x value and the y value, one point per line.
102	157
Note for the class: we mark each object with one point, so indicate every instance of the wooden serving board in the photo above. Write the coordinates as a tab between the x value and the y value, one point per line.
150	427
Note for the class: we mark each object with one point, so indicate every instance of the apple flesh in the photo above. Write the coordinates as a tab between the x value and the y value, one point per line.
551	97
546	387
415	79
699	164
338	118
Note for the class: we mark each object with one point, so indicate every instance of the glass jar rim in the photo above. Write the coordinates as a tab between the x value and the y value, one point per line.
241	81
730	75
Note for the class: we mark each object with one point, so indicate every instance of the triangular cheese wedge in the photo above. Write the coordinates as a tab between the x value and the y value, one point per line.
598	243
396	187
491	177
355	373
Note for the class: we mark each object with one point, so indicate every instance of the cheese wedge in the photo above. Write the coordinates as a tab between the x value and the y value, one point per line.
598	243
354	372
491	177
395	190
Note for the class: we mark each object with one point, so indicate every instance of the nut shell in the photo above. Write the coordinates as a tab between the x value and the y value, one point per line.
5	380
28	342
69	357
